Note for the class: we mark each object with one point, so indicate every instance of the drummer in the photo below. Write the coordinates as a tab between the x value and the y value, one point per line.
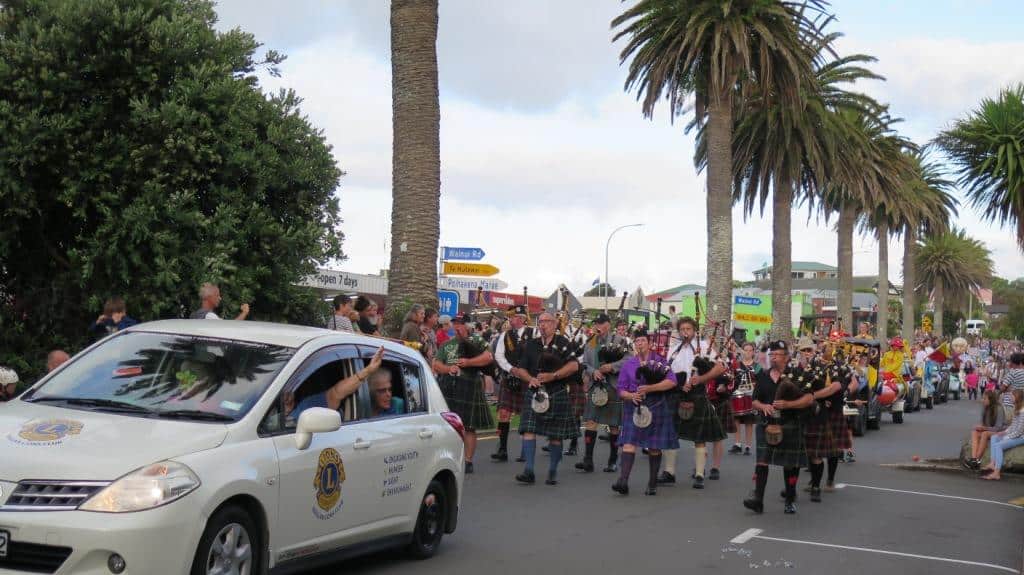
746	369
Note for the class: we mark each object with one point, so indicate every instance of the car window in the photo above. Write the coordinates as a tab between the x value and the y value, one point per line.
384	392
413	381
156	374
312	391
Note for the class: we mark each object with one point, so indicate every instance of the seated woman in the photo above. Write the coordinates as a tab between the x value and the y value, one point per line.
382	397
992	421
1007	439
332	397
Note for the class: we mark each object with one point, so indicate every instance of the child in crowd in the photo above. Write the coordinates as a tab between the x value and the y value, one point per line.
992	421
1007	439
971	377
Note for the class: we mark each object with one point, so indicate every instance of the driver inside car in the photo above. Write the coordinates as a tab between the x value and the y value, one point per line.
332	397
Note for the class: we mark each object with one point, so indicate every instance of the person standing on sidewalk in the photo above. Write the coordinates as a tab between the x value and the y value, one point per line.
209	296
342	310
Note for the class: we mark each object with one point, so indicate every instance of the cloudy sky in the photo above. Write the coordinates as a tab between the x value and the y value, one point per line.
543	154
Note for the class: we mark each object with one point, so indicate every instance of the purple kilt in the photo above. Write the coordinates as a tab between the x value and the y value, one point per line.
660	434
509	399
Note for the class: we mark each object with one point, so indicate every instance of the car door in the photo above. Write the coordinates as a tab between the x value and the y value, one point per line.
404	442
326	494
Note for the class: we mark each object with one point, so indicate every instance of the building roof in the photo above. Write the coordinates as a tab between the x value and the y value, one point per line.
674	293
804	267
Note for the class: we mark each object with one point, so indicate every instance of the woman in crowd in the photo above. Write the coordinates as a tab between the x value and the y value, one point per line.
1007	439
992	421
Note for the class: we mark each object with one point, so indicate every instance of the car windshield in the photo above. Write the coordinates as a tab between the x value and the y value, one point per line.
165	375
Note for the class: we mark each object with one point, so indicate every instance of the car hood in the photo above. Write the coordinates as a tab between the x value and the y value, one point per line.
49	442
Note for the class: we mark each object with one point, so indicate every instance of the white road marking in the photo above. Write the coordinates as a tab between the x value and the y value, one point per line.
745	536
843	485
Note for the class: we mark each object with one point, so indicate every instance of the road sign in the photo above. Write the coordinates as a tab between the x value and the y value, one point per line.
464	269
490	284
466	254
744	300
447	302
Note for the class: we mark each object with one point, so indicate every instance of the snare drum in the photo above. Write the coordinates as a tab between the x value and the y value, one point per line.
742	404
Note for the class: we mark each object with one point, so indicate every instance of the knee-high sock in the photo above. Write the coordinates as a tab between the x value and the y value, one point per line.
556	457
700	457
760	481
503	435
792	475
589	439
654	461
529	453
833	464
613	443
668	460
575	440
817	470
626	467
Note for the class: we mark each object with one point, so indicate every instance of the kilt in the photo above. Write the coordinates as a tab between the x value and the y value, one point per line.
790	452
826	436
705	425
577	397
724	410
508	398
557	422
660	434
609	414
464	394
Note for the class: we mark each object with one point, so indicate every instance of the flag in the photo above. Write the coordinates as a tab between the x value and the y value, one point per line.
596	281
940	355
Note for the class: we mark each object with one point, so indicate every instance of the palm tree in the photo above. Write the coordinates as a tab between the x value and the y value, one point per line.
988	149
416	152
718	52
951	265
784	151
936	207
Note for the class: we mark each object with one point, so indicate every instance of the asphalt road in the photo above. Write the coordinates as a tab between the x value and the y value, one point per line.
581	526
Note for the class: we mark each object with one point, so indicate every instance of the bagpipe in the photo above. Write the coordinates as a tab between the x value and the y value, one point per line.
649	372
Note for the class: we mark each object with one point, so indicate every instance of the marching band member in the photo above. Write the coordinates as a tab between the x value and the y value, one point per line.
459	361
547	366
746	369
779	435
644	385
720	395
603	357
812	375
510	390
697	421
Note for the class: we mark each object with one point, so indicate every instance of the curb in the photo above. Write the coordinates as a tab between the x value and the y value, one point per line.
945	466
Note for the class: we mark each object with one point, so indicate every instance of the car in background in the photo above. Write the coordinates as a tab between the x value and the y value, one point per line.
173	447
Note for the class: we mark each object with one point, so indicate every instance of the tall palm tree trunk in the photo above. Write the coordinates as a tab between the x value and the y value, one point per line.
416	152
782	262
883	285
909	281
844	297
939	296
719	209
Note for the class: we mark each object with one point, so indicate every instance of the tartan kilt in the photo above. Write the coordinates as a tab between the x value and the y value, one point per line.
464	394
577	397
826	437
724	410
660	434
508	398
557	423
841	440
790	452
705	426
609	414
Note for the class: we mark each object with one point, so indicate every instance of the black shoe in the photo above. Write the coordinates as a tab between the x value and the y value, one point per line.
610	468
816	494
746	450
755	505
698	482
790	508
651	491
621	487
666	478
526	477
469	467
736	449
586	465
782	495
570	451
714	474
546	448
500	455
551	480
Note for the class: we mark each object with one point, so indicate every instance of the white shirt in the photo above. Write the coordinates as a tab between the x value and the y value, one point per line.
683	361
920	357
499	351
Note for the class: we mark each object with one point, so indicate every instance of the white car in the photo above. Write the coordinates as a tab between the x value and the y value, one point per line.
172	447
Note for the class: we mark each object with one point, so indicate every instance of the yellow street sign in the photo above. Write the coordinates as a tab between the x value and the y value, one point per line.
469	269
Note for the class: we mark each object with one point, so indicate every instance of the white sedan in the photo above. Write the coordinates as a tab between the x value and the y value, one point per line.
207	447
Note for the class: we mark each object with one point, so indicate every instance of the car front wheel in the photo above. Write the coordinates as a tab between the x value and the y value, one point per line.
230	545
430	522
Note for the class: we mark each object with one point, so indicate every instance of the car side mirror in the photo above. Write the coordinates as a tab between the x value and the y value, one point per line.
315	420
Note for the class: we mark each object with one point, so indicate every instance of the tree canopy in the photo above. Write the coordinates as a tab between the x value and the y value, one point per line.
139	157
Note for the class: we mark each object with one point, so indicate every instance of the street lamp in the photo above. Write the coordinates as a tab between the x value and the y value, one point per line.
606	245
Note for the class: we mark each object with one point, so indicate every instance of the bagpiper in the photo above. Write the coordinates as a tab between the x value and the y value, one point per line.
510	388
603	357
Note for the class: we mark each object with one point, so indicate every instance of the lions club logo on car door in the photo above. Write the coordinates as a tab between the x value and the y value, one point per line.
47	432
330	474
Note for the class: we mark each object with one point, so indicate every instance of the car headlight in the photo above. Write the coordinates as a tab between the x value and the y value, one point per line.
145	488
